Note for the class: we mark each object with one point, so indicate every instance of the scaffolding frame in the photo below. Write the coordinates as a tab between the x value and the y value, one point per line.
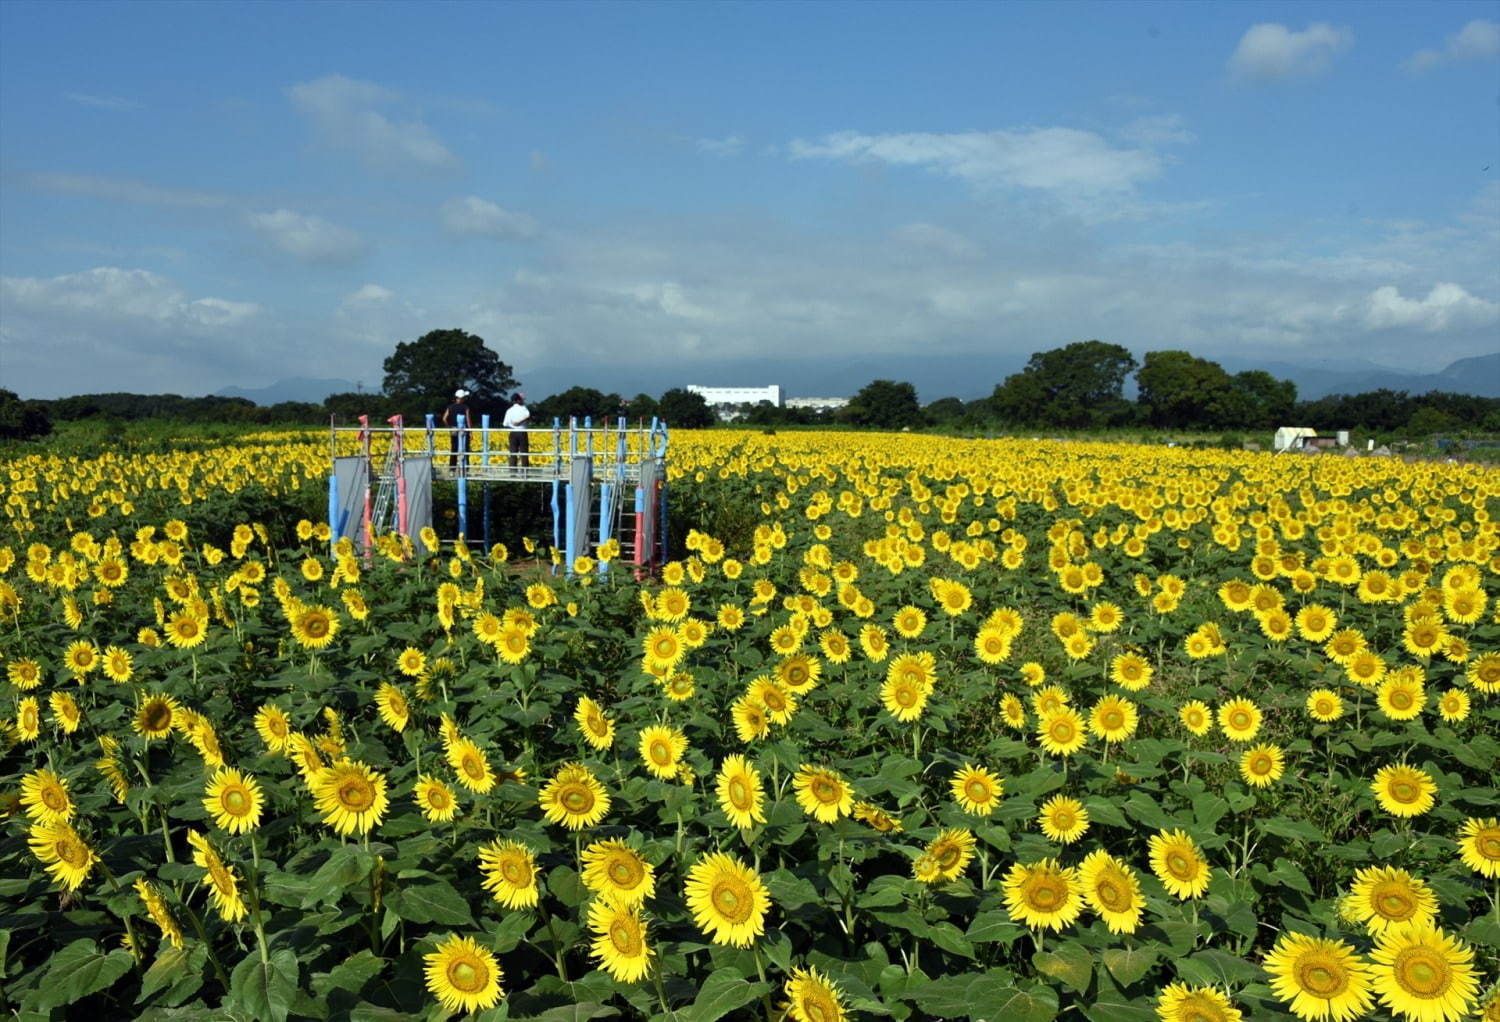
590	471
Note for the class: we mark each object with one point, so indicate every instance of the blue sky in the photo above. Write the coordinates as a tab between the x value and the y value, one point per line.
200	195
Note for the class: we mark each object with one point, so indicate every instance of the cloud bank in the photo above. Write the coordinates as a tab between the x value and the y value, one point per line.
346	113
1270	52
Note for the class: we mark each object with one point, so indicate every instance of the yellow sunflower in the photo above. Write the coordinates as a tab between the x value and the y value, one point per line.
1240	720
1403	790
976	790
1324	705
44	795
1042	895
1130	671
1262	765
350	795
1424	974
435	799
156	908
596	729
463	975
1113	718
620	873
751	721
950	853
661	748
1112	890
574	797
823	794
156	716
1178	864
234	801
813	997
509	869
728	900
1063	819
223	882
619	941
1479	846
392	706
470	765
739	791
1196	717
1182	1003
1383	896
1062	732
67	856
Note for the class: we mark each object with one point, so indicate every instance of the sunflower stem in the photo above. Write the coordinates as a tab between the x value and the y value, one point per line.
213	956
260	928
557	949
661	991
760	970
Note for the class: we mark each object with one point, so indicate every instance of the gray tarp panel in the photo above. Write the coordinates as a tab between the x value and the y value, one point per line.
581	479
418	475
353	476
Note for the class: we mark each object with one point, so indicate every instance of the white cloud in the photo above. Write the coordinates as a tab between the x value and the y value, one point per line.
310	238
95	187
1269	52
346	113
1478	40
729	145
109	293
1055	160
931	239
1159	130
369	294
112	329
475	217
102	102
1446	307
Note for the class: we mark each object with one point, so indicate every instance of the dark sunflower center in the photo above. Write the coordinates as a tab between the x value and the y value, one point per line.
577	799
355	794
1322	978
467	976
1421	973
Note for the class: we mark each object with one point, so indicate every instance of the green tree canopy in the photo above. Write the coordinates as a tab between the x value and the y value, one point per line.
1080	386
685	409
421	375
1179	390
885	404
22	420
1267	402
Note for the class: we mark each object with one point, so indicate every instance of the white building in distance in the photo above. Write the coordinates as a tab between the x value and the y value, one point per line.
817	404
733	396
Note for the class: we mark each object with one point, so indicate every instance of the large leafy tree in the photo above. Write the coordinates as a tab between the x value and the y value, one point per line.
422	375
1079	386
1179	390
886	404
685	409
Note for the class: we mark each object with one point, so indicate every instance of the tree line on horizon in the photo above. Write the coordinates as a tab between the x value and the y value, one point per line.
1080	386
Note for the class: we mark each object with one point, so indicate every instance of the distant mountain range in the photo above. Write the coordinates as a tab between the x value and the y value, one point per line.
294	388
962	376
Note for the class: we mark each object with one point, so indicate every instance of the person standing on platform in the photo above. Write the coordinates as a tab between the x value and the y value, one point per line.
516	418
460	406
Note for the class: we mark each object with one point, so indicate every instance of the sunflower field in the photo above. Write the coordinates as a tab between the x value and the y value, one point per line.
912	728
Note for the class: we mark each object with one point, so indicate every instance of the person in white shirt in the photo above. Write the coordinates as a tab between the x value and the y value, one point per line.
516	418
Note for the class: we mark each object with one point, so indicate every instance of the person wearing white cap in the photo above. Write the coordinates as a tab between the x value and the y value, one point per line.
459	407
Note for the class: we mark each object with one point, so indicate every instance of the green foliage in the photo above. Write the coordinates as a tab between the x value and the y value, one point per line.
1079	386
22	420
685	409
422	375
884	404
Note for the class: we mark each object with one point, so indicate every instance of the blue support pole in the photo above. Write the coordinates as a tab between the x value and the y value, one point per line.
556	517
588	434
485	496
484	446
605	491
568	555
333	510
463	479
